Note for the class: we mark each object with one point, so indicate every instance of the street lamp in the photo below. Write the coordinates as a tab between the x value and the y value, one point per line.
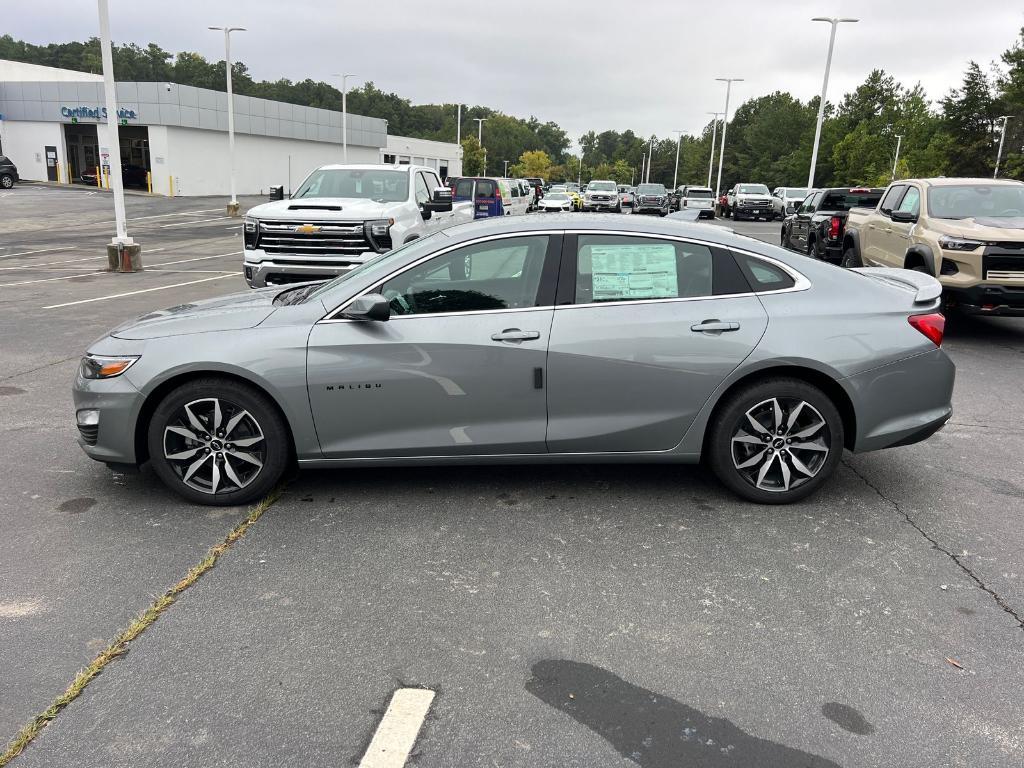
480	136
579	179
1002	136
679	140
650	156
505	175
835	22
233	205
344	113
725	126
899	141
714	135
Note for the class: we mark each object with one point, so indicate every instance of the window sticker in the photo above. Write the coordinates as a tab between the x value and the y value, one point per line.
634	272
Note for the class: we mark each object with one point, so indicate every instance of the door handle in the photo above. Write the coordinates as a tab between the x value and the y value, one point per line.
514	334
714	326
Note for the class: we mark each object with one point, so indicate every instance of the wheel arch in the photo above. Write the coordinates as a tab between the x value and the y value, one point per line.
156	396
919	255
823	381
851	240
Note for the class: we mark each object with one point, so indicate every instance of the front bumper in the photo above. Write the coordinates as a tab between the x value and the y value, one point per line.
600	205
983	299
643	207
259	273
119	404
903	402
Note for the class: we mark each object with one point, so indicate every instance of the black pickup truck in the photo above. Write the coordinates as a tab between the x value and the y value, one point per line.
816	228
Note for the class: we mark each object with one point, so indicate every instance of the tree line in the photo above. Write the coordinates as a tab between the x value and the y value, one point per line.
769	137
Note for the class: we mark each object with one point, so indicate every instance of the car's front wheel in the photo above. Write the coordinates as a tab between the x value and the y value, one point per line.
6	181
218	441
850	259
776	441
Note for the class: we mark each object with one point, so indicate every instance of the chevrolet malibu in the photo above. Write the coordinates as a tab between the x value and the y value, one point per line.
522	340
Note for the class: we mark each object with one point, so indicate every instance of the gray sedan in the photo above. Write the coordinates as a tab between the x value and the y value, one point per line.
530	340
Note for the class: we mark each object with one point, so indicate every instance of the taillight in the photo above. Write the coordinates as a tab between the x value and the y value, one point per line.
933	326
833	228
497	194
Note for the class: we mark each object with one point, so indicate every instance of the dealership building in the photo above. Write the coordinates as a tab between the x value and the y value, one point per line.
53	125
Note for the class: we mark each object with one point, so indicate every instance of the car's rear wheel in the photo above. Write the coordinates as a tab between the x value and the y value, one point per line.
6	181
218	441
776	441
850	259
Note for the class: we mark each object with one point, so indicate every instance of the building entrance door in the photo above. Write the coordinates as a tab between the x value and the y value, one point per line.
51	163
83	151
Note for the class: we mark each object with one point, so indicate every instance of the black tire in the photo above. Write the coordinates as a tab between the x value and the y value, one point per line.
731	421
850	259
6	181
269	442
812	248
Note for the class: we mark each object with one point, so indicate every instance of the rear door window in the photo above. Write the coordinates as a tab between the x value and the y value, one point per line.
485	188
464	189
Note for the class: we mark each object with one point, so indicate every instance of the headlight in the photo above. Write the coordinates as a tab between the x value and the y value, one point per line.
98	367
251	224
380	228
948	243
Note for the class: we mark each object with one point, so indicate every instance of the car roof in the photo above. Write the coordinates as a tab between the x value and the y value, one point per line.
952	181
374	167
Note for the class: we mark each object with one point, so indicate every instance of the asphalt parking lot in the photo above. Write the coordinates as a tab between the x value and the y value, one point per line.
565	616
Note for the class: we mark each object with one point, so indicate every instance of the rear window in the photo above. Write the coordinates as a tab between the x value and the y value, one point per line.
844	201
762	275
701	193
464	188
485	188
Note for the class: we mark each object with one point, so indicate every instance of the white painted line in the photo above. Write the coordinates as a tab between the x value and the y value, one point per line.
200	212
197	258
198	221
133	293
51	279
35	265
196	271
41	250
396	734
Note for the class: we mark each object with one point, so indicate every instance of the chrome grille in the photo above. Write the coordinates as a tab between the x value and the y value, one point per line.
316	238
1005	274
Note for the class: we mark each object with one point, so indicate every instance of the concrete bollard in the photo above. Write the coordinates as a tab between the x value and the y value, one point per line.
233	209
124	258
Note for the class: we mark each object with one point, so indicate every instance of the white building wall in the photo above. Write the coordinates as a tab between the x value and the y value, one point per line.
23	141
424	152
199	161
19	70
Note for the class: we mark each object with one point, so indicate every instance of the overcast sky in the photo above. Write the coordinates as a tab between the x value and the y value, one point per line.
648	65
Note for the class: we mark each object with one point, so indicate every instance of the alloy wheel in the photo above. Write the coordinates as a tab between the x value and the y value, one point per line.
214	446
780	444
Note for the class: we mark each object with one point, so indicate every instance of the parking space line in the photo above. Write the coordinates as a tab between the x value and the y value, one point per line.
197	258
200	221
70	261
142	290
196	271
51	279
396	735
41	250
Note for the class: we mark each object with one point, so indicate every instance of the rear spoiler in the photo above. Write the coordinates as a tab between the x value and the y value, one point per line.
925	287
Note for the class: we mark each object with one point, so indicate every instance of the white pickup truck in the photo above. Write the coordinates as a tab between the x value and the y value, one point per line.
342	216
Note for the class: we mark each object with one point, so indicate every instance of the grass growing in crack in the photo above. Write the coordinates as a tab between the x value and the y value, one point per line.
119	646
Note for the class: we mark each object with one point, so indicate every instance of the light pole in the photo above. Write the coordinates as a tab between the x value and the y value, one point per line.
1002	136
714	135
122	252
899	141
725	127
480	137
675	177
650	156
579	178
233	205
835	22
344	113
505	174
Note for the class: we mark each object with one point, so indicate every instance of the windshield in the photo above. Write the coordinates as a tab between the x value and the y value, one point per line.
752	189
651	189
558	196
380	185
701	193
795	192
559	188
977	201
602	186
377	262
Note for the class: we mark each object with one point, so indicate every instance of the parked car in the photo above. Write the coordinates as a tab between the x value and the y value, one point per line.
557	201
819	222
626	195
968	233
786	199
483	344
519	199
490	196
651	198
749	201
701	199
602	196
342	216
8	172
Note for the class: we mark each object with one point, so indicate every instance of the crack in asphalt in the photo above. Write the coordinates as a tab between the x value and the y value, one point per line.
935	544
39	368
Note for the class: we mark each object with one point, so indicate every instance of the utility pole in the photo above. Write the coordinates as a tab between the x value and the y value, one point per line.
344	114
1002	136
123	253
714	135
233	205
835	22
725	127
899	140
675	177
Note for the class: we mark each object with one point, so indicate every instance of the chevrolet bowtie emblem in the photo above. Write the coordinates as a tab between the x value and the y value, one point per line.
307	229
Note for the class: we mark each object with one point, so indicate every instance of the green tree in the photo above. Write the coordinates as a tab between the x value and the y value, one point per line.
472	157
535	162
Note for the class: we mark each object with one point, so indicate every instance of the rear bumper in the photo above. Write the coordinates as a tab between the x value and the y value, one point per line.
1005	301
903	402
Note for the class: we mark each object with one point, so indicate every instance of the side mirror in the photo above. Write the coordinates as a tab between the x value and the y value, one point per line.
371	306
276	193
440	200
903	217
